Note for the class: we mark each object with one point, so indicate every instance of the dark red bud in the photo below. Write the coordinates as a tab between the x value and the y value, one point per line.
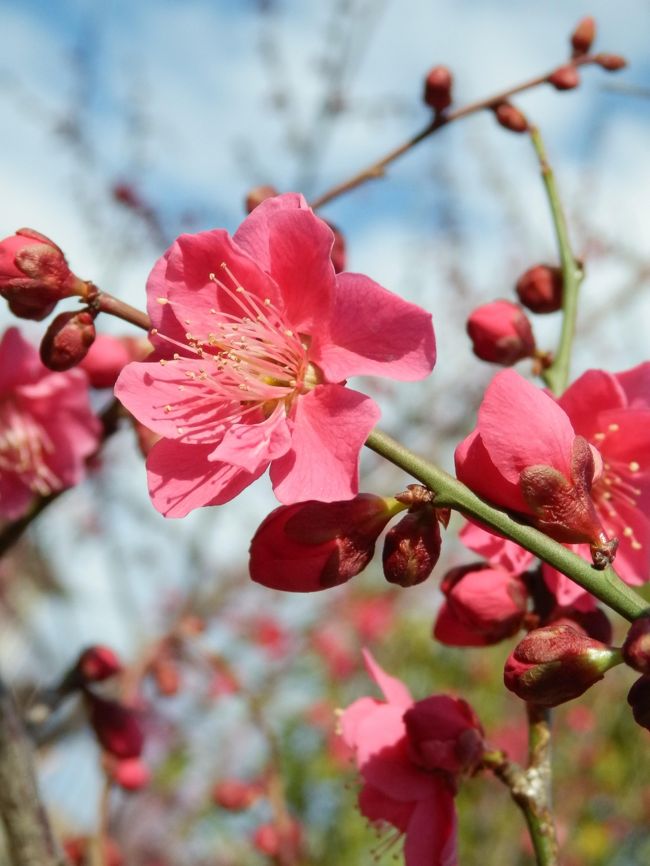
116	726
501	333
98	663
564	78
437	88
555	664
583	36
636	649
67	340
235	795
541	289
257	195
412	548
611	62
510	117
639	699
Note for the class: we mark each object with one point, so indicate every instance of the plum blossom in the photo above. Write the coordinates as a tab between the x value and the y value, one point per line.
610	413
254	337
47	429
411	756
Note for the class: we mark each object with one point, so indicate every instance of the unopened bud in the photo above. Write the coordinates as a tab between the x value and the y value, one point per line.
34	274
555	664
315	545
564	78
279	842
412	547
67	340
483	605
541	289
437	88
583	36
639	699
235	795
611	62
636	649
501	333
131	774
97	663
116	726
510	117
257	195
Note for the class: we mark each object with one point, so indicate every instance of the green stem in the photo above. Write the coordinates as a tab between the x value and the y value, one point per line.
450	493
556	375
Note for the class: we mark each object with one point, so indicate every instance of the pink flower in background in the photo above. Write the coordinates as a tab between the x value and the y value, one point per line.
47	429
410	756
255	336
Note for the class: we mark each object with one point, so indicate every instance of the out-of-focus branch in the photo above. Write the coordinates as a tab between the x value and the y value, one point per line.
29	838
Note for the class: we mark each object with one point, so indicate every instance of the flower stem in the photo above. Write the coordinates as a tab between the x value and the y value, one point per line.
605	585
103	302
556	376
377	169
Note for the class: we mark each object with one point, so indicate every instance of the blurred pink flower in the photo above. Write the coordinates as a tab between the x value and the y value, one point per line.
47	429
410	755
254	338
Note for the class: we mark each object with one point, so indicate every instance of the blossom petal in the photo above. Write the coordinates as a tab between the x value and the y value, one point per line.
181	478
566	591
393	689
520	425
293	245
15	496
377	807
475	469
372	331
495	548
330	424
251	445
432	830
636	384
595	390
24	364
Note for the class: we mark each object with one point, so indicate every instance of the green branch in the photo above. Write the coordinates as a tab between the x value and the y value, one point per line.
556	376
450	493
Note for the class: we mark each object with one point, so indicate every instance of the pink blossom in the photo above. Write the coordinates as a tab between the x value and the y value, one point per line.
610	412
255	336
109	355
410	756
47	429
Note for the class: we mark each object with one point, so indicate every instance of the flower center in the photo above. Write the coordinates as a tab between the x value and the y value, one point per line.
250	359
614	489
24	445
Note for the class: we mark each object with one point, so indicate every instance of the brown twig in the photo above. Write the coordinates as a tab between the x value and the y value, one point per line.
377	169
29	837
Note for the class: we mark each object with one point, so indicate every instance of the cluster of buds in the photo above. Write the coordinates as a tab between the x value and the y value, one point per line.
311	546
567	77
500	330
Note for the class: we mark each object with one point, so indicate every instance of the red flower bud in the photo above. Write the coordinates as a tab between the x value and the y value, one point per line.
611	62
594	623
437	88
116	726
257	195
483	605
510	117
639	699
235	795
636	649
501	333
412	547
67	340
275	841
564	78
79	851
444	733
314	545
583	36
131	774
555	664
541	289
97	663
34	274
